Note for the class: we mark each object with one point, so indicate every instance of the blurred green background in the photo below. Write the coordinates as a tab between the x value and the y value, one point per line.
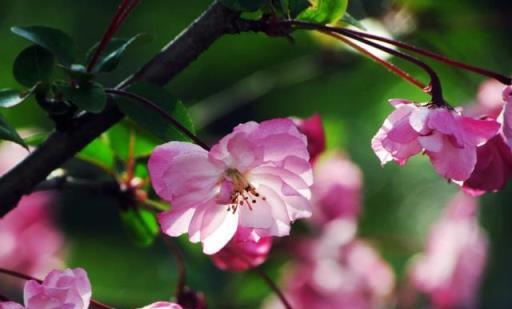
253	77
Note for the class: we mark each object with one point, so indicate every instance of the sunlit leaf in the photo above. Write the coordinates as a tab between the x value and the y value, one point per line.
114	52
325	11
141	225
350	20
244	5
78	73
90	97
99	152
54	40
32	65
9	133
10	97
152	120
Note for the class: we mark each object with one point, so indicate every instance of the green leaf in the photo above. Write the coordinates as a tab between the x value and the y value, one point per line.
77	73
10	97
9	133
90	97
141	225
54	40
244	5
114	52
325	11
151	120
99	152
36	139
32	65
119	140
350	20
296	7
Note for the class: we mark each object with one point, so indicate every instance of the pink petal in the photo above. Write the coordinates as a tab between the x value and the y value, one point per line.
453	162
396	140
314	130
493	168
162	305
259	216
218	235
507	116
178	168
477	132
176	222
10	305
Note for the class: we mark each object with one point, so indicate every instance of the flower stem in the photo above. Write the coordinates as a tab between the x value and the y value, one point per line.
27	277
440	58
123	10
163	113
180	265
273	286
390	66
435	89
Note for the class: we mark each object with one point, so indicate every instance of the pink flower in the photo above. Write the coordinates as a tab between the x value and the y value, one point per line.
338	272
257	177
10	305
243	251
451	269
313	128
29	240
494	159
336	189
448	138
67	289
163	305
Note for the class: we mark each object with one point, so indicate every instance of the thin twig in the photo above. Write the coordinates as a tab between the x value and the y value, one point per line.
440	58
162	112
180	266
435	90
390	66
273	286
123	10
27	277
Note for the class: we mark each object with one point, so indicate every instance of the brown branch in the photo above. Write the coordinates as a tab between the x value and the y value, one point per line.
63	145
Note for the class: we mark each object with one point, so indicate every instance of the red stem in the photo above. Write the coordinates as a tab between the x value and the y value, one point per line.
123	10
435	89
443	59
390	66
27	277
163	113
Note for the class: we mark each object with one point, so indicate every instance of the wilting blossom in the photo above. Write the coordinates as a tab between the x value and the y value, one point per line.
243	251
63	289
494	158
313	128
29	240
337	271
163	305
448	138
336	190
450	270
257	177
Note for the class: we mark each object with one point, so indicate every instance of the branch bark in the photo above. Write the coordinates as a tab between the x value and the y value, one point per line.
63	145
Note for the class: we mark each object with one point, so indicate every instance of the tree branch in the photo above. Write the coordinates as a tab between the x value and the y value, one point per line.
63	145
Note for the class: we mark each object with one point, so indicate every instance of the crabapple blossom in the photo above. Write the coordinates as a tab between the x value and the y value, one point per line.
337	271
257	177
336	192
450	270
494	159
448	138
162	305
29	241
62	289
243	251
313	128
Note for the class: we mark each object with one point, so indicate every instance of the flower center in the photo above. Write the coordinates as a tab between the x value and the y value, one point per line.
243	192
